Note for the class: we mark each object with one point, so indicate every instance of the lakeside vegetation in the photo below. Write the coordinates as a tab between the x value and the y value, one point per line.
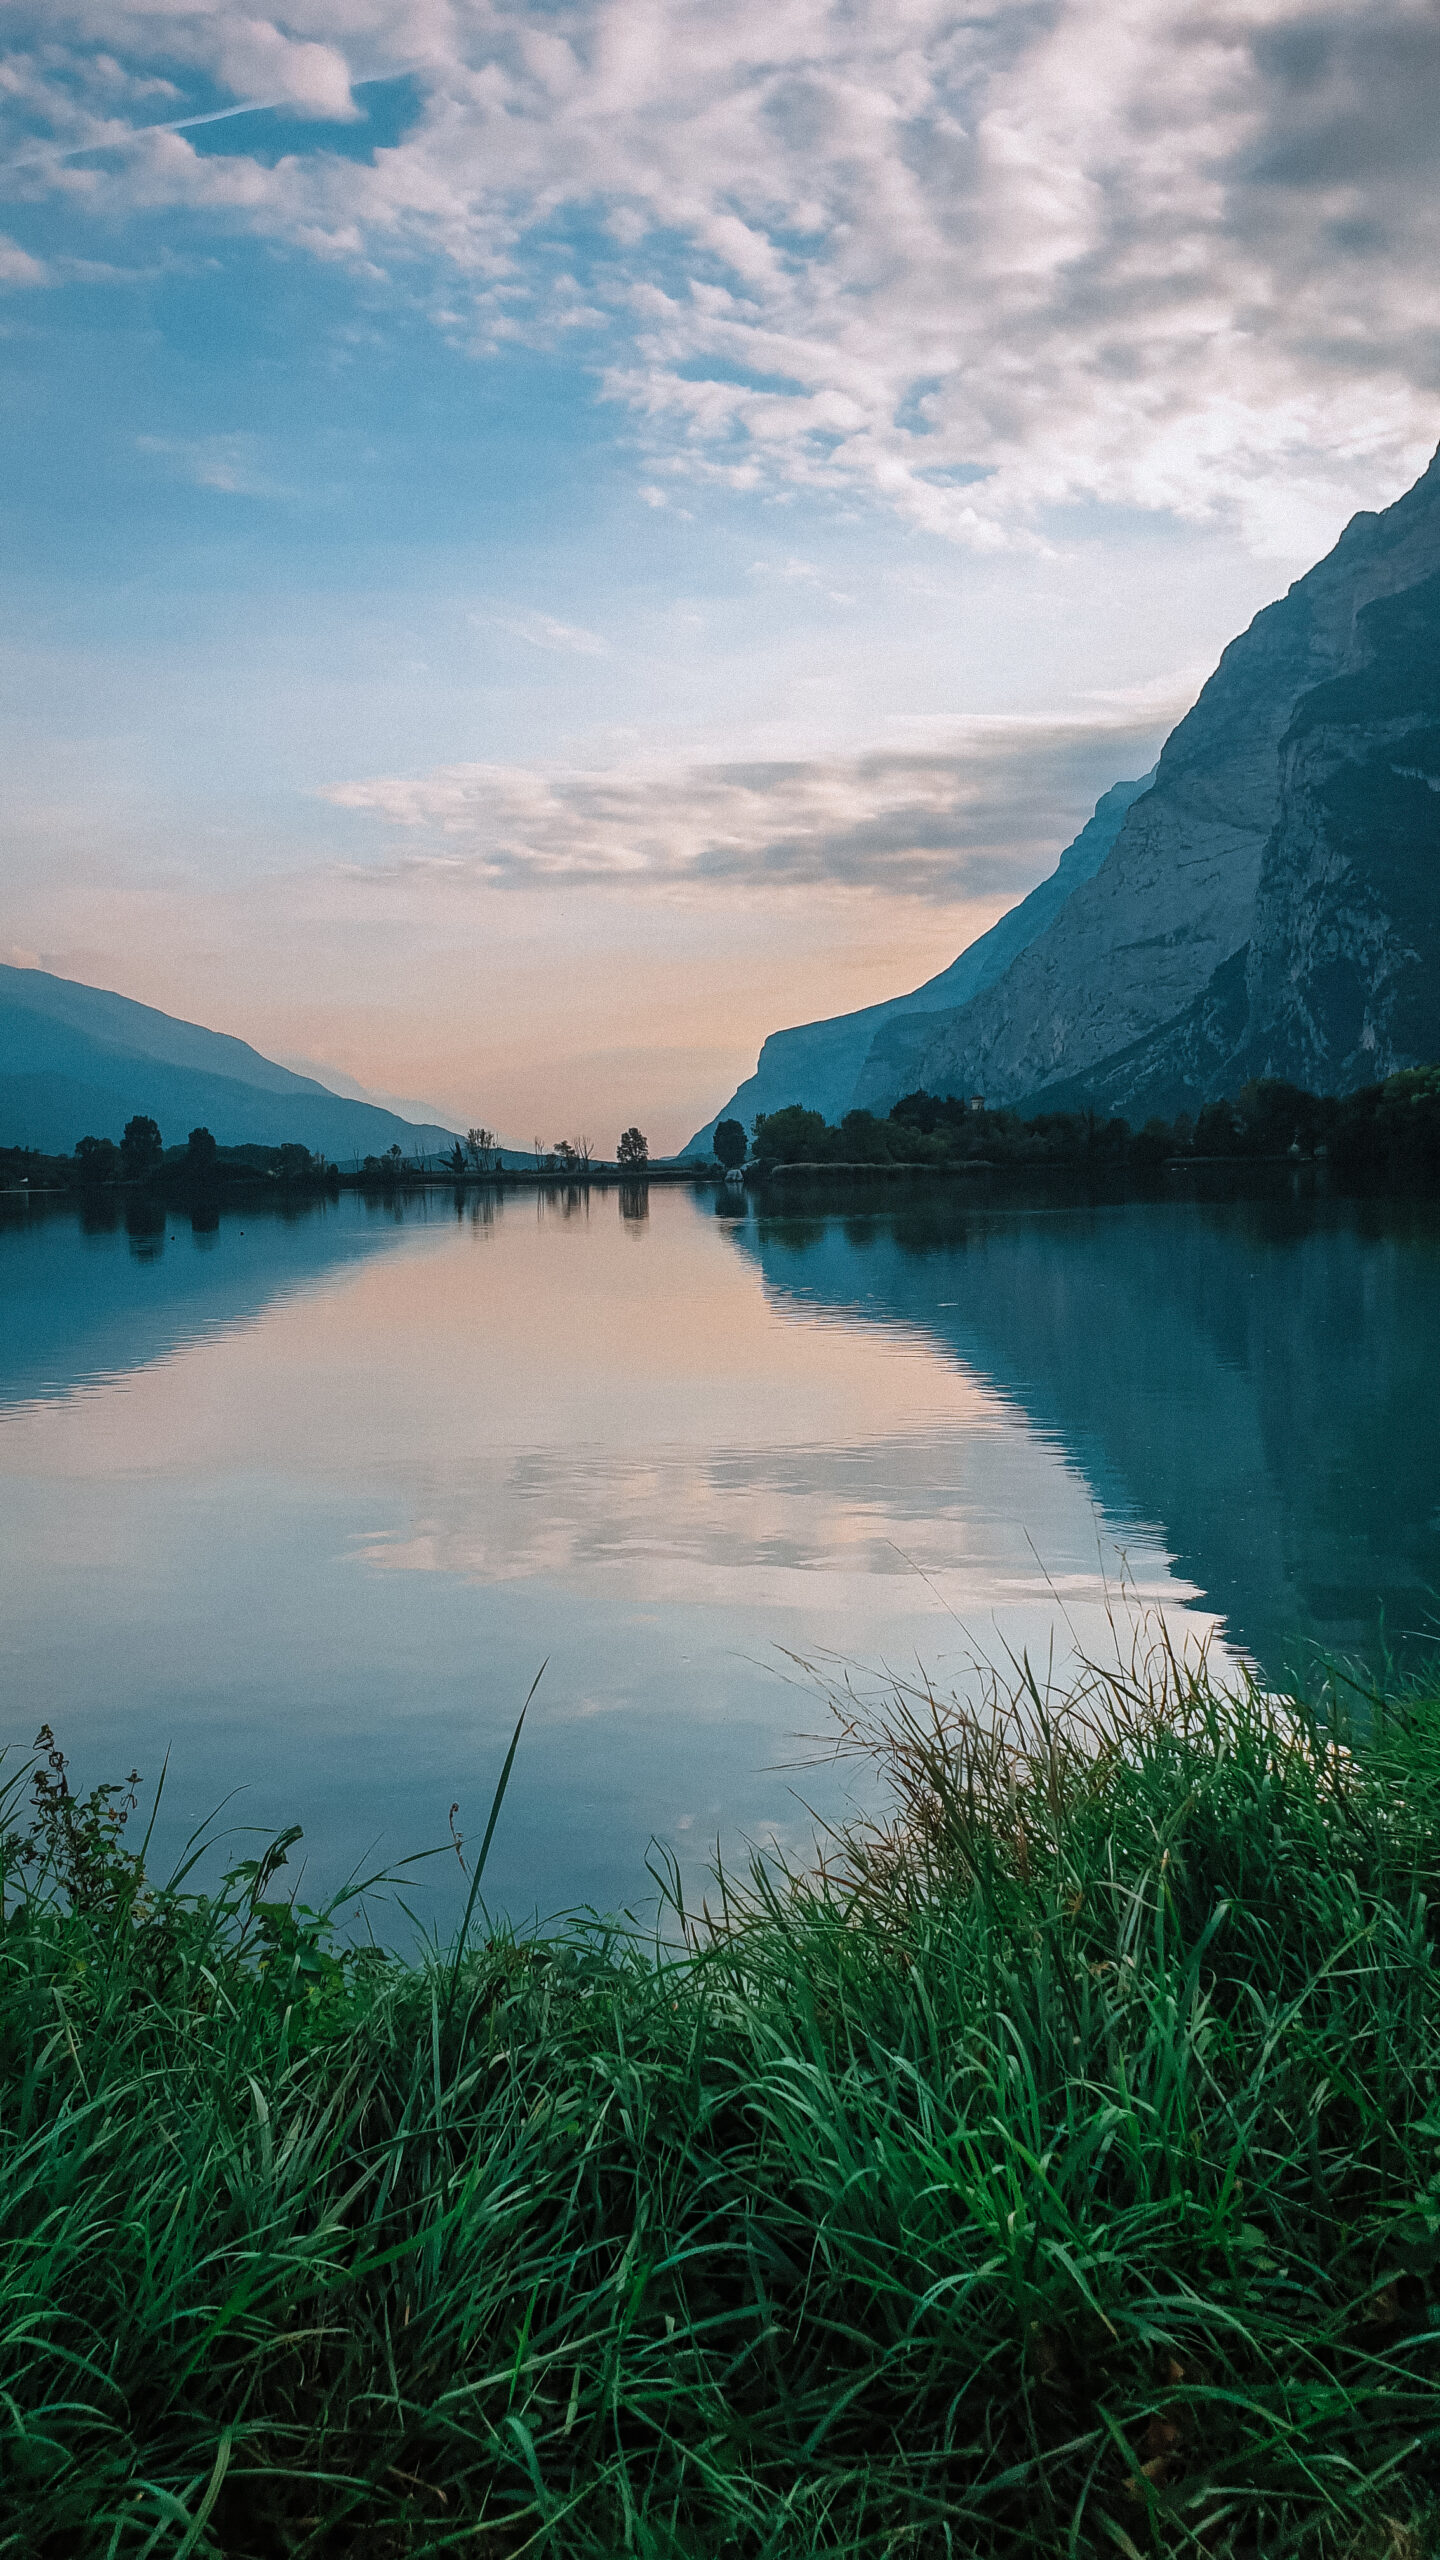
1056	2170
1386	1132
141	1162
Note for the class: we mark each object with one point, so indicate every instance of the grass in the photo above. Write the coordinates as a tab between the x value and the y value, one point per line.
1056	2172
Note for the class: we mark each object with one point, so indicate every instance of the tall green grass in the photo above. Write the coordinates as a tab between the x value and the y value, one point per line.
1056	2171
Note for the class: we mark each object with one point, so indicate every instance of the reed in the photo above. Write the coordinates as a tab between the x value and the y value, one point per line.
1055	2170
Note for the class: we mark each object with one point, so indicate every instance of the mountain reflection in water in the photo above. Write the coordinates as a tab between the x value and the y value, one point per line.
1258	1379
309	1496
91	1295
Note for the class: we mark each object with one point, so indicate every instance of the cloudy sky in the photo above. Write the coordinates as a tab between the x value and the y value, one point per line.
542	541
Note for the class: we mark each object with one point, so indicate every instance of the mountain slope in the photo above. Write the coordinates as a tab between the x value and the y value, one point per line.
821	1064
1343	983
1274	901
78	1061
1340	981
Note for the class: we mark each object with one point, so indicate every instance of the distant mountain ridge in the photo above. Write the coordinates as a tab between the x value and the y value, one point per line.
821	1064
79	1061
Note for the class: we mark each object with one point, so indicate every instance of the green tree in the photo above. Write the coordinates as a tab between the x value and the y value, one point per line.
201	1152
97	1159
632	1149
141	1147
866	1139
730	1142
792	1136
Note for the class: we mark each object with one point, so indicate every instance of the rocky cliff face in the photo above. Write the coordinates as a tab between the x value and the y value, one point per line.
1272	905
819	1063
1343	983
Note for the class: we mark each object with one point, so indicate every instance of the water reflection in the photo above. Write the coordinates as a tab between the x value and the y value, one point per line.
311	1495
477	1210
145	1227
76	1308
1254	1378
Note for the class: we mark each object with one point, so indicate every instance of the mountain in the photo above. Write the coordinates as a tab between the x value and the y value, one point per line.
1272	904
820	1063
406	1106
77	1061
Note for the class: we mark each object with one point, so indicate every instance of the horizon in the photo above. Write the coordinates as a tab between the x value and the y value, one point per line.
549	542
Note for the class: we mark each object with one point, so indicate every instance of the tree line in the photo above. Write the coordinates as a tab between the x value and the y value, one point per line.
480	1152
1386	1131
141	1158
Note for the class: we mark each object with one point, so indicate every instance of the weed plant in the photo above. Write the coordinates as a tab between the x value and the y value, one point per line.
1054	2171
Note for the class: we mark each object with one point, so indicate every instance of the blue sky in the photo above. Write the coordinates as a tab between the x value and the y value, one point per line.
563	537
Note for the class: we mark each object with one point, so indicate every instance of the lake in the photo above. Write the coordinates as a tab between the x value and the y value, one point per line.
307	1499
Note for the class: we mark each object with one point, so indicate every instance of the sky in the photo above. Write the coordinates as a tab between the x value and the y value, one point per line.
539	543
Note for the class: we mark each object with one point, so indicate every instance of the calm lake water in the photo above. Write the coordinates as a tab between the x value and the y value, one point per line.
307	1500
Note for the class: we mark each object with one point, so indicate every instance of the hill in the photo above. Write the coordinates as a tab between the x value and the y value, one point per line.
78	1061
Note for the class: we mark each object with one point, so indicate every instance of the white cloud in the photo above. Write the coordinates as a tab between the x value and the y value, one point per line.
256	60
17	267
228	463
1169	254
542	631
798	573
972	807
